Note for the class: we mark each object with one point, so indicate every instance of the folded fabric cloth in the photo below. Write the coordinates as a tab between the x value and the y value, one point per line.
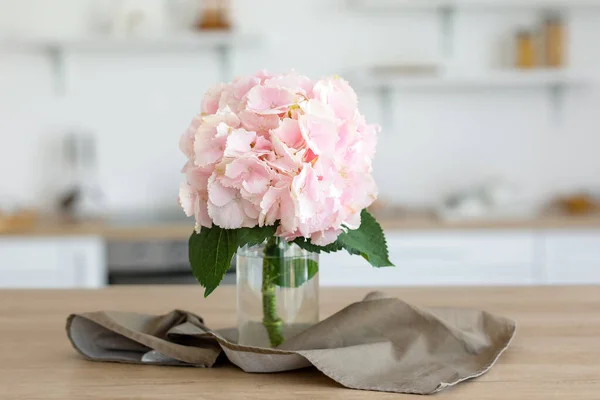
381	344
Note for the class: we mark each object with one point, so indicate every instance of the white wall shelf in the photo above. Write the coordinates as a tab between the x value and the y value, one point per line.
446	10
509	79
180	42
492	5
554	81
57	47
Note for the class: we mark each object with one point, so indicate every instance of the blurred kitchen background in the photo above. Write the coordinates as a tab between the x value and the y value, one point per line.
487	164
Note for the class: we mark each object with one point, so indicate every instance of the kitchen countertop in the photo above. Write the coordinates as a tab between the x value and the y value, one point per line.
179	229
555	354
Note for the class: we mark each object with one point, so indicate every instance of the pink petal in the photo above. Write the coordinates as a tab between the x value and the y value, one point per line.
250	209
344	107
249	173
309	156
197	177
368	136
186	142
234	172
293	81
201	213
258	123
323	238
230	216
262	145
269	206
318	128
187	199
337	94
209	151
305	192
348	136
287	210
262	75
218	194
320	135
241	86
256	182
189	164
211	136
239	143
352	221
289	133
228	101
287	235
269	100
226	117
253	198
285	160
210	101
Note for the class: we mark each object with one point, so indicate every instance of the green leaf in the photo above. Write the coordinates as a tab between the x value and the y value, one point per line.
307	245
294	272
368	241
212	249
254	236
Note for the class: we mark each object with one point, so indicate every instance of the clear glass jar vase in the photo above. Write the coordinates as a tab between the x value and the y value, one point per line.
277	292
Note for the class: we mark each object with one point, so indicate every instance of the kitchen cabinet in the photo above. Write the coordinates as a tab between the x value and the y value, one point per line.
572	257
441	258
52	262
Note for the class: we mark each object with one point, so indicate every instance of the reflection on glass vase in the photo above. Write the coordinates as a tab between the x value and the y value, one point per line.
277	292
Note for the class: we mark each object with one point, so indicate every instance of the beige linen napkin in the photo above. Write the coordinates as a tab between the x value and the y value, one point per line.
380	343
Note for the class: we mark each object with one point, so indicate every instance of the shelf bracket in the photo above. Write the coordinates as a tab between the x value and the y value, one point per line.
446	15
386	105
59	73
557	92
224	61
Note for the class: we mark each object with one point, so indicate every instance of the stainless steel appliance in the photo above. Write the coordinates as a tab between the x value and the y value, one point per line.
152	263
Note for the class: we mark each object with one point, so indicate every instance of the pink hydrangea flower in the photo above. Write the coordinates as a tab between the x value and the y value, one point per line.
279	149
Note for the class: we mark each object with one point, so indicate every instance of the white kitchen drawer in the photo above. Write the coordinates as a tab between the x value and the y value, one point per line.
572	257
472	247
440	258
26	263
51	262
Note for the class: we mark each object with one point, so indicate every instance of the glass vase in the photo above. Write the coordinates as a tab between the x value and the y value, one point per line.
277	292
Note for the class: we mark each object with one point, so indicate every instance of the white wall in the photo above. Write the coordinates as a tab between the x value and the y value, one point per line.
138	104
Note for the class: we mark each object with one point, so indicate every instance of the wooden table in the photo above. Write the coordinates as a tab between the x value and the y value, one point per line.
555	355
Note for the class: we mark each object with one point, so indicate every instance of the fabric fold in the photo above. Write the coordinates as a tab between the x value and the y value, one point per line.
380	343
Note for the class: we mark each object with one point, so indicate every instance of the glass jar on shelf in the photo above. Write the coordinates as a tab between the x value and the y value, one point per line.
525	57
215	15
554	41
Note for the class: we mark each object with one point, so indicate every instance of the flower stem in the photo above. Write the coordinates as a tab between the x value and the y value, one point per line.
271	320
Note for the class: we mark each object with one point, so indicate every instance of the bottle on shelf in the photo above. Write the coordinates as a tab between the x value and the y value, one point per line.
525	56
554	41
215	15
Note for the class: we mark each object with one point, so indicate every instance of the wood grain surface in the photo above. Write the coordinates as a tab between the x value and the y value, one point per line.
555	354
406	222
